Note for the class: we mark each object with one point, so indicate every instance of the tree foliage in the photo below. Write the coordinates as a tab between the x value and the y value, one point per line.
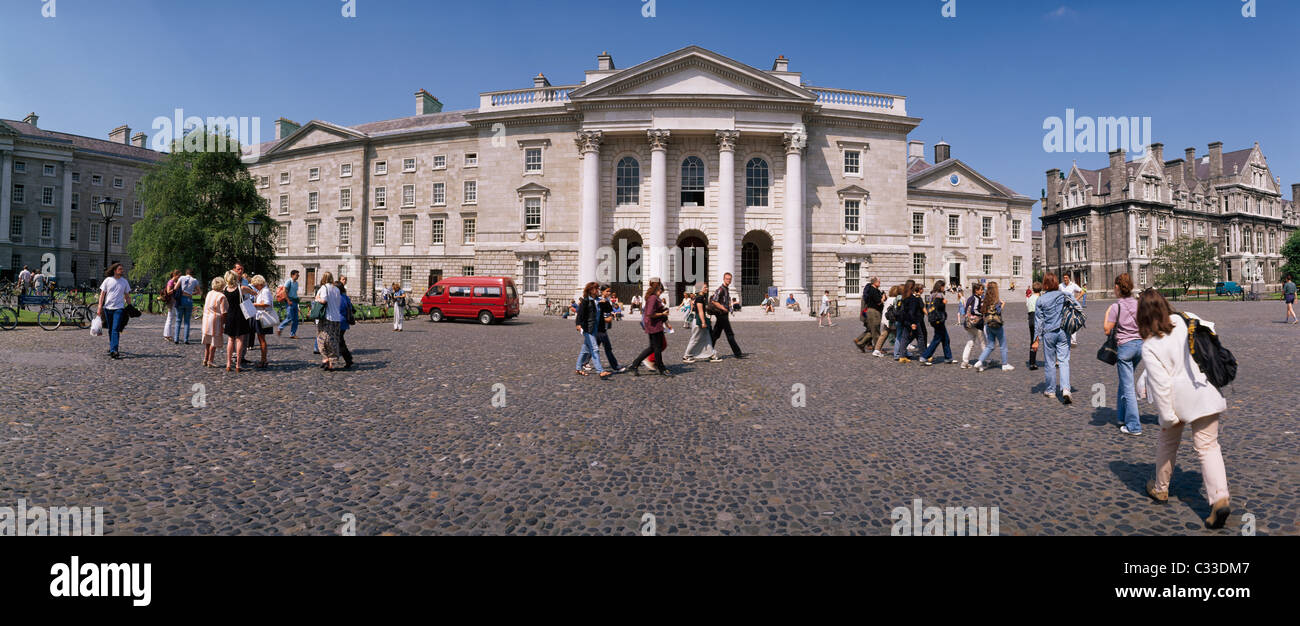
1291	254
1185	262
197	207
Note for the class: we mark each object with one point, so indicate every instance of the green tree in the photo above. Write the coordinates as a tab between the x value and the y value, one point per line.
1185	262
198	205
1291	252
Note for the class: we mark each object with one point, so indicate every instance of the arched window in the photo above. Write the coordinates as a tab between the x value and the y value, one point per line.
756	182
627	184
693	181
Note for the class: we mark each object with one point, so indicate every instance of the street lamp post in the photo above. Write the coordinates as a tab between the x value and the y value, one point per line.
254	227
107	208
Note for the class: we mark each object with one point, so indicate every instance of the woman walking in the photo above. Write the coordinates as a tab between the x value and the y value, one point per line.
973	323
262	302
1031	299
994	331
169	294
112	305
399	306
214	320
907	321
346	321
1183	396
1288	294
700	344
887	327
327	328
938	319
825	310
654	313
1048	313
236	324
1121	319
588	323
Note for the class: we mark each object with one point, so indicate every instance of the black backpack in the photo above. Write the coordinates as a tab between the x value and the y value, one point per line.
932	313
895	311
1215	361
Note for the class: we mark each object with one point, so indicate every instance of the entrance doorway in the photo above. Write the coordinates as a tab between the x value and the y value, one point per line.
311	278
755	267
626	266
954	274
434	277
694	263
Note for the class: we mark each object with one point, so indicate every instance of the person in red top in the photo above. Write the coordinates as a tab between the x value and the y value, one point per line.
655	314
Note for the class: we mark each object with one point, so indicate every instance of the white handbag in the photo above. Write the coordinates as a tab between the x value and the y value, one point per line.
268	318
250	311
97	327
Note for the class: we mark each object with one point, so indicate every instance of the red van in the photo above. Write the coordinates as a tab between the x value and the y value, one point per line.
487	298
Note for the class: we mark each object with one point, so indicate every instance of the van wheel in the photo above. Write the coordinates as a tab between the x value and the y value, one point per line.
485	317
435	315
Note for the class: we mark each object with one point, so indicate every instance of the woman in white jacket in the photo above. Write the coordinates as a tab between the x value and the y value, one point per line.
1183	396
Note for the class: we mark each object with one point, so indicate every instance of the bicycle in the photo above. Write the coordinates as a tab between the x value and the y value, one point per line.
8	318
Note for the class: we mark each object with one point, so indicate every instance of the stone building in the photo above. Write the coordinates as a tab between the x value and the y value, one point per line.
1038	250
50	186
690	161
1098	224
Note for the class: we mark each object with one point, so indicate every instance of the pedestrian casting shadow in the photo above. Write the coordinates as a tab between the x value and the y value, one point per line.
298	366
1104	416
370	350
1184	486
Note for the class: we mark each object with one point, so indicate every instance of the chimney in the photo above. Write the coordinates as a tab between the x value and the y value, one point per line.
604	61
1216	160
1295	194
781	64
1190	163
121	135
31	118
139	140
1158	149
1053	190
539	81
1118	177
942	152
915	149
284	128
426	104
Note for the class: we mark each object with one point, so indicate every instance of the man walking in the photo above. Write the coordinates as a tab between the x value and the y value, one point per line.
872	308
721	304
187	287
25	280
291	300
1071	289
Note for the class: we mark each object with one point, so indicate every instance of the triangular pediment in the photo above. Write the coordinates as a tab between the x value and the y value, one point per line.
533	189
695	72
968	181
316	133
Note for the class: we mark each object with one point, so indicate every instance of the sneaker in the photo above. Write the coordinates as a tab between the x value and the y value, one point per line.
1007	367
1049	394
927	362
1065	398
980	366
715	359
964	365
877	353
1124	429
588	367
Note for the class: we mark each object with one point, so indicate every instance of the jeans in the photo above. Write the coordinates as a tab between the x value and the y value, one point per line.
994	336
184	311
1056	355
940	336
904	337
113	319
1130	354
589	350
291	317
602	340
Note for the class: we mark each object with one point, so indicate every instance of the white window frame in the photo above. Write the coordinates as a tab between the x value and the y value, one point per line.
1017	230
47	192
284	204
855	173
381	168
313	174
408	190
115	235
438	194
381	197
1017	266
97	180
439	162
986	265
438	231
852	215
471	192
345	198
284	178
471	159
94	233
469	230
345	233
411	168
408	228
379	233
18	194
540	204
918	257
48	169
313	235
313	202
345	170
954	226
138	209
986	227
20	167
913	224
528	167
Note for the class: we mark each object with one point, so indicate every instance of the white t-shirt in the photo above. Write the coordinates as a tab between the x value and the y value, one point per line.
332	302
263	296
115	290
1072	289
189	285
25	277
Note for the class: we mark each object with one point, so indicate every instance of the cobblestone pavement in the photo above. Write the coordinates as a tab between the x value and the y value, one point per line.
410	442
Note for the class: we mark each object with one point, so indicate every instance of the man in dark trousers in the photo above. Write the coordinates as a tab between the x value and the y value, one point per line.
873	303
721	304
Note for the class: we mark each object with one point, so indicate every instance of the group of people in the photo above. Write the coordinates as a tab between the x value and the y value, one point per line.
34	283
707	315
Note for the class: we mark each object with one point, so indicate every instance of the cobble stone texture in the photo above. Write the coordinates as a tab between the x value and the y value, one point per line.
410	441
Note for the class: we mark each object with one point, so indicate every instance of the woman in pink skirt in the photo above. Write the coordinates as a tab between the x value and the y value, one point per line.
214	319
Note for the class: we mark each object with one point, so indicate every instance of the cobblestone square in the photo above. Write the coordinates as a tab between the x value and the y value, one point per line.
410	441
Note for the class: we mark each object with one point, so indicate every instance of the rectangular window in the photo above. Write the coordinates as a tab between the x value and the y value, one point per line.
345	234
97	180
1142	221
1143	244
986	228
439	161
408	232
468	227
532	213
94	233
532	276
20	167
986	265
439	229
381	168
406	277
471	192
918	224
1017	266
852	163
408	195
284	204
76	201
1200	228
72	234
471	159
439	194
313	231
282	239
47	196
408	165
345	198
76	177
381	229
532	160
117	182
284	178
852	278
1016	231
47	227
117	207
381	198
467	270
48	169
313	202
345	170
918	263
313	173
1142	276
138	209
954	226
852	215
19	195
117	236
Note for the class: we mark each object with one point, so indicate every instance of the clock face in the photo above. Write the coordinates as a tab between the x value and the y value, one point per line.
954	179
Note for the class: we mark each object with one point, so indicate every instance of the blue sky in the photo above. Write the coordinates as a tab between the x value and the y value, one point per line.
984	81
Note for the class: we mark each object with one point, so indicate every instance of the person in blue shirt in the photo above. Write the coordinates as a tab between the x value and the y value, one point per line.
291	317
345	307
399	306
1048	311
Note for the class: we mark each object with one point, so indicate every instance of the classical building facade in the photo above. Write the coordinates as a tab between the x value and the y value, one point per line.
50	184
1098	224
683	167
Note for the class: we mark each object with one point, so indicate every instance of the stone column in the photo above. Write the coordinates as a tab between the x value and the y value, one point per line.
589	223
726	207
793	238
6	188
658	240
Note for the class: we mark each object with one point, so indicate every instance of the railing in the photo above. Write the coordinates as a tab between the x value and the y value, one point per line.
521	98
859	100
